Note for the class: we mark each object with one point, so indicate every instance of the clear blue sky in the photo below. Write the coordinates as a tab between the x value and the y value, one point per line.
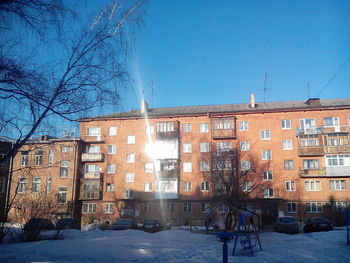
202	52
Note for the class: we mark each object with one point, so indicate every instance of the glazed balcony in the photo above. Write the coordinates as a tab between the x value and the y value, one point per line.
93	175
335	129
167	189
93	138
167	130
92	157
310	150
306	172
338	171
309	130
90	189
337	149
223	128
168	169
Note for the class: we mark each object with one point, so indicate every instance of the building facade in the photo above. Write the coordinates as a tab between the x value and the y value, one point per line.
155	162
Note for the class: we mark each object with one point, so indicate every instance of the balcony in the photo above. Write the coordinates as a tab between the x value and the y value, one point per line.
310	150
223	128
309	130
167	189
168	169
337	149
338	171
305	172
92	157
90	189
167	130
95	175
335	129
93	138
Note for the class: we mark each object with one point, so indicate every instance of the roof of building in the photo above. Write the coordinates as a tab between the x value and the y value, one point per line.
314	103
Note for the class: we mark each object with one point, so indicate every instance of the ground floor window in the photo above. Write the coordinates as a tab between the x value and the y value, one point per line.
314	207
292	207
205	207
187	207
147	208
268	193
108	208
89	208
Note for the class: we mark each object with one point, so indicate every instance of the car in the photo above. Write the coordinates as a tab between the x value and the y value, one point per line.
38	224
67	223
153	225
317	224
123	224
286	224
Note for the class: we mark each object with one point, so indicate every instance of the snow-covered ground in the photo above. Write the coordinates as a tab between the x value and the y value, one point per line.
176	246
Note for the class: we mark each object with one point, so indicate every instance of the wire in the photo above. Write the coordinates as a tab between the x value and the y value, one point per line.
334	75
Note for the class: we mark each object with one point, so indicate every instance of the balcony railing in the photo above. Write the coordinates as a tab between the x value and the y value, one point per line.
335	129
306	172
223	128
309	130
167	130
93	138
92	157
95	175
337	149
310	150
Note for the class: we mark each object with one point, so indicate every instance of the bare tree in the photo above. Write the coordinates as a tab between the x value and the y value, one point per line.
237	177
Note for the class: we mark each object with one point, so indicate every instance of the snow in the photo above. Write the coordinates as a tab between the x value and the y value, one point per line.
176	245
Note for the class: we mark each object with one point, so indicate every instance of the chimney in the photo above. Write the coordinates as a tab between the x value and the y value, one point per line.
144	106
252	100
313	102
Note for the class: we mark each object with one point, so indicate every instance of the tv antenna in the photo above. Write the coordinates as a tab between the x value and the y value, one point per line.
265	84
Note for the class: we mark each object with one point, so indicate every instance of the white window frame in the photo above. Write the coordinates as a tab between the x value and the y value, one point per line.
268	193
205	186
130	177
187	207
89	208
224	146
313	207
108	208
64	166
129	194
187	186
187	167
246	186
204	147
48	184
149	168
62	191
312	185
244	146
36	183
265	135
266	155
337	160
39	154
187	148
335	121
311	164
286	124
111	149
112	131
204	127
205	207
149	129
287	145
130	157
65	149
111	168
245	166
51	157
288	165
186	127
204	166
93	131
147	208
148	187
268	176
292	207
109	187
131	139
243	126
290	186
22	185
24	158
337	185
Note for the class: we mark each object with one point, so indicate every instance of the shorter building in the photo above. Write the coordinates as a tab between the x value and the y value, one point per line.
45	179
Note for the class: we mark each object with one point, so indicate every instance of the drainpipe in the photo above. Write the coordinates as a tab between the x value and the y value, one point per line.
8	187
74	179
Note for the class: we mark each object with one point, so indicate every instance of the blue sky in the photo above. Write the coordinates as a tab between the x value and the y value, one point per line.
217	52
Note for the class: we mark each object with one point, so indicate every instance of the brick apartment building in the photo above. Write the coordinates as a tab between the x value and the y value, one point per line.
46	171
153	162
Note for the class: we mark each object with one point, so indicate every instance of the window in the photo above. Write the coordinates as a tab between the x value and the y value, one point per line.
51	156
36	184
245	146
149	129
349	120
186	127
224	124
266	154
110	168
131	139
204	166
314	207
170	207
187	148
204	147
246	186
187	167
334	141
22	181
109	208
265	135
290	186
93	131
91	168
205	207
291	207
267	175
340	206
187	207
287	145
224	146
331	121
338	160
38	157
165	126
312	185
129	194
94	149
65	149
24	158
203	127
336	185
90	189
130	157
243	126
307	123
147	207
187	186
89	208
148	187
148	168
109	187
112	131
62	194
268	193
285	124
2	184
288	164
205	186
129	177
48	185
112	149
64	169
245	166
311	164
309	140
